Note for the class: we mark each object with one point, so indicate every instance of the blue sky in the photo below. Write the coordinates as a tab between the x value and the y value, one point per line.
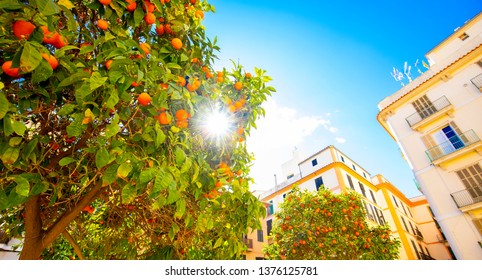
330	62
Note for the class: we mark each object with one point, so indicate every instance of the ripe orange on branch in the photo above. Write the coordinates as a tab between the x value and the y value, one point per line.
144	99
102	24
176	43
7	69
146	48
105	2
131	5
182	115
238	86
22	29
54	63
150	18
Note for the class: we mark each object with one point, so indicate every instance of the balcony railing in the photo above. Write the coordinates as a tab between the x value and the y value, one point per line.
454	143
436	106
477	81
468	196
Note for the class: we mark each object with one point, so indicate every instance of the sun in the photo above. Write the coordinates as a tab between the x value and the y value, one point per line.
215	123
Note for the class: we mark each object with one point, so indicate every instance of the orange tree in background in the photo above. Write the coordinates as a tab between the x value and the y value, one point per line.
102	136
326	226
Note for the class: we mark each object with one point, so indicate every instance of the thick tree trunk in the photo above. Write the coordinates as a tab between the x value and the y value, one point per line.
32	247
37	239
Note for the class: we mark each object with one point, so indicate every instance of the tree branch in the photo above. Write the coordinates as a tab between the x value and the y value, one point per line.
74	244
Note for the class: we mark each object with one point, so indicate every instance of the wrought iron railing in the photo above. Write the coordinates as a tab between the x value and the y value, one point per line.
426	112
454	143
468	196
477	81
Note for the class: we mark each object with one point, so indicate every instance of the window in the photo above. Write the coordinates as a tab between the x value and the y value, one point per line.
318	183
362	188
373	196
381	218
424	107
445	141
314	162
395	200
403	207
415	248
269	226
259	259
364	175
342	159
270	208
404	224
409	212
290	176
478	224
260	235
471	177
350	182
354	168
411	226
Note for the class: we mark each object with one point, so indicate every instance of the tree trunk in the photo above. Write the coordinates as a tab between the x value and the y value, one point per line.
32	247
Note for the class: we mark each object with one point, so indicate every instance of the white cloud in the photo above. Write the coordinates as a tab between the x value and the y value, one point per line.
340	140
278	133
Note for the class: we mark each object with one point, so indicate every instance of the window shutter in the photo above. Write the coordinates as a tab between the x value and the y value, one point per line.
432	149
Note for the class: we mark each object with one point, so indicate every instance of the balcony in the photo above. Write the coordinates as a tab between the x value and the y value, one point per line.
477	81
438	108
468	197
418	234
456	146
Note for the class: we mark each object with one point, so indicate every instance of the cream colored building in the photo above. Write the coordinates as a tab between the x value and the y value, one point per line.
384	203
437	121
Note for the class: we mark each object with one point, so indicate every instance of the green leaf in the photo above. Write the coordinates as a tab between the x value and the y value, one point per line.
74	78
112	100
173	196
173	65
180	155
10	155
39	188
146	175
124	170
96	80
186	166
10	4
30	58
23	186
65	161
138	16
3	197
101	158
160	136
42	72
19	127
112	128
128	194
219	242
66	109
180	208
3	105
66	3
110	175
47	7
14	141
31	145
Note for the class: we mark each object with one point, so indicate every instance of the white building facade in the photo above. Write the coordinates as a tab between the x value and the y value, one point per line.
437	121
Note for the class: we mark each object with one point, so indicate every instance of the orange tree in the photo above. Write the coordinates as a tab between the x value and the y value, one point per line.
323	226
105	141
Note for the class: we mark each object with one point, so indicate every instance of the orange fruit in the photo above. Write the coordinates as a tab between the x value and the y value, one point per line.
108	63
164	86
238	105
163	118
150	18
144	99
22	29
218	184
199	14
49	37
219	79
182	124
131	5
7	69
51	60
168	29
60	42
102	24
181	115
220	74
160	29
248	75
134	84
176	43
149	7
181	81
146	48
105	2
238	86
